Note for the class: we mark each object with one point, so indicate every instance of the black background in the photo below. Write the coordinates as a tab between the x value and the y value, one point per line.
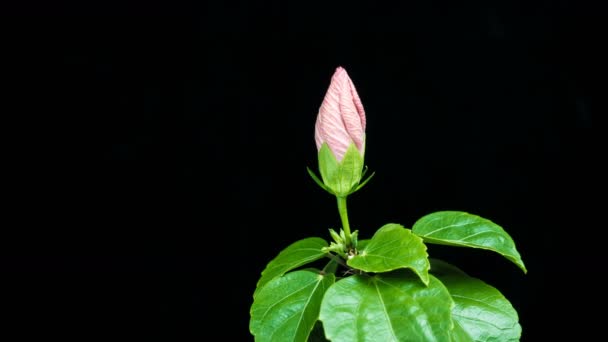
157	154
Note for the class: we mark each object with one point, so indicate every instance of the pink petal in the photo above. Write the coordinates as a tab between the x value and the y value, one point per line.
341	118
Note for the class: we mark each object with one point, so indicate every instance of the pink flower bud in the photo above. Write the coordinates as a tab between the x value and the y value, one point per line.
341	119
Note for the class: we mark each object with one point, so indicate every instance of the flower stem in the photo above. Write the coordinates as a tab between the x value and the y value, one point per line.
344	217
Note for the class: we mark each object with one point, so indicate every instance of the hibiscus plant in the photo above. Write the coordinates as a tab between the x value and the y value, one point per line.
385	288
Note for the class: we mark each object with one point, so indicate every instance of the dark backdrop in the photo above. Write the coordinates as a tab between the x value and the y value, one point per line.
157	154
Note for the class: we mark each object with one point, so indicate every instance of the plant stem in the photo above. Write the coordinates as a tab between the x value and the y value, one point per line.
337	259
344	217
332	265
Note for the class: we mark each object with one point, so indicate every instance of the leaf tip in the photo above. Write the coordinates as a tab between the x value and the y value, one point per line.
523	268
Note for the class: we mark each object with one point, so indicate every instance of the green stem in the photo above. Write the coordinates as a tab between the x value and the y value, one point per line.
332	265
336	259
344	217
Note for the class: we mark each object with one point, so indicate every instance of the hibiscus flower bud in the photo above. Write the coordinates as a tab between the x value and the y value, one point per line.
340	136
341	119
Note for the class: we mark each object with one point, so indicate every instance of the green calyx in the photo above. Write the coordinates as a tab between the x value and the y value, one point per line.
340	178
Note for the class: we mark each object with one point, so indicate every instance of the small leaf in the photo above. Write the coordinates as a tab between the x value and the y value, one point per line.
386	307
287	308
457	228
354	238
393	247
295	255
481	312
337	238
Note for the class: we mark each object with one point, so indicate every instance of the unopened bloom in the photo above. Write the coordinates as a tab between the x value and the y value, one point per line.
341	119
340	136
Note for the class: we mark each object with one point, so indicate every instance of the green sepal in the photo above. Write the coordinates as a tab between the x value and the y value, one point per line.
344	176
364	172
318	181
354	238
337	248
342	235
362	184
335	236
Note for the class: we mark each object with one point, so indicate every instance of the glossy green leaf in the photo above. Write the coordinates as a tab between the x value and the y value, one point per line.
393	247
481	312
386	307
295	255
459	335
361	244
287	308
457	228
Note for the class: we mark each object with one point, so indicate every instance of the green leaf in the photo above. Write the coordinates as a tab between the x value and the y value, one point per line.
295	255
459	335
457	228
287	308
387	307
361	244
393	247
481	312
